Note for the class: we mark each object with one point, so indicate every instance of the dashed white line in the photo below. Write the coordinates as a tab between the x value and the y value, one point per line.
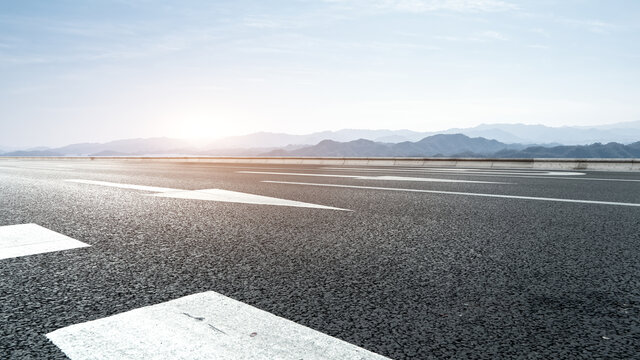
461	193
31	239
387	178
201	326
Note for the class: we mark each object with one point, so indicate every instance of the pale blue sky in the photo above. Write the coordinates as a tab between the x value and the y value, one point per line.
90	70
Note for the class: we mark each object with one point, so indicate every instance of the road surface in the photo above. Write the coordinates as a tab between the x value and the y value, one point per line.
405	263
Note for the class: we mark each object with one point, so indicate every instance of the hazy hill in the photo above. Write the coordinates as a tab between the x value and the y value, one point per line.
597	150
359	147
442	145
627	132
128	146
262	142
266	139
32	153
457	145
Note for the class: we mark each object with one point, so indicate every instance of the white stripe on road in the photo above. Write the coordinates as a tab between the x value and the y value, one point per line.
201	326
32	168
30	239
210	195
238	197
468	171
461	193
387	178
556	175
123	186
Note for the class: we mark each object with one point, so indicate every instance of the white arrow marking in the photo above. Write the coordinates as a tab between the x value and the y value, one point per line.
201	326
387	178
209	195
30	239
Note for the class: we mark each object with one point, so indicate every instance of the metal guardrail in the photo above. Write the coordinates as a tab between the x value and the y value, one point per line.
539	163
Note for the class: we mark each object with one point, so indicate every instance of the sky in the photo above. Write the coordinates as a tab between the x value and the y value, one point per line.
91	70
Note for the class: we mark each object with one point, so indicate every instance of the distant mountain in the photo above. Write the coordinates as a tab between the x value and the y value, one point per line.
276	140
265	142
619	125
128	146
597	150
110	153
32	153
436	145
7	149
359	147
627	132
458	145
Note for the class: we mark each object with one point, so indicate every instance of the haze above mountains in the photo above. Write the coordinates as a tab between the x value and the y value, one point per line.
500	140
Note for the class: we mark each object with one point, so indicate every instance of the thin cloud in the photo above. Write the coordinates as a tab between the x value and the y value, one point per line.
483	36
595	26
421	6
272	22
540	31
492	35
592	25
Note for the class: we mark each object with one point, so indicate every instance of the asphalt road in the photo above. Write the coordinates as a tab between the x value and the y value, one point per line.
405	274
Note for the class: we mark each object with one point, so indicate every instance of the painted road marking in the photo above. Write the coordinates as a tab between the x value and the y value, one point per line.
27	168
238	197
387	178
461	193
469	171
556	176
30	239
210	195
122	186
201	326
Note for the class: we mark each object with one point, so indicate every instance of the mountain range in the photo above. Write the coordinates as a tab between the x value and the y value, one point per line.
505	140
441	145
458	145
436	145
625	132
597	150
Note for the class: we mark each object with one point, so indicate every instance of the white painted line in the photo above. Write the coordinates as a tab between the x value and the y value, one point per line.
210	195
461	193
29	168
468	171
30	239
238	197
201	326
598	179
122	186
387	178
532	176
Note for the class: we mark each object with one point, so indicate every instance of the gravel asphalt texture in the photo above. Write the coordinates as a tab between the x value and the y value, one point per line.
405	275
